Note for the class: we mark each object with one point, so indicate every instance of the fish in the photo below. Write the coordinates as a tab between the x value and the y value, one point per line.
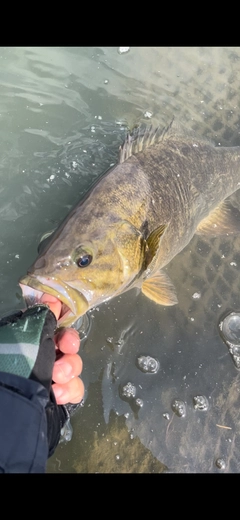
167	185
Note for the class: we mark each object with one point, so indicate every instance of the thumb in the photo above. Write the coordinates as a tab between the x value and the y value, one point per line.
53	303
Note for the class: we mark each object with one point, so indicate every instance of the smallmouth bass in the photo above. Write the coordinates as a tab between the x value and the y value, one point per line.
167	186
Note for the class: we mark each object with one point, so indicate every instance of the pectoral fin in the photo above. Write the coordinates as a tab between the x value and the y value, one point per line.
222	220
152	243
160	289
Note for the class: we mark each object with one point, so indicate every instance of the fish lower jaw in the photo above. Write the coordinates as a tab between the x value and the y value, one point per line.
33	296
73	302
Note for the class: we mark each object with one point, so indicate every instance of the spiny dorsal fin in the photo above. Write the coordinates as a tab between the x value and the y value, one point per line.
140	139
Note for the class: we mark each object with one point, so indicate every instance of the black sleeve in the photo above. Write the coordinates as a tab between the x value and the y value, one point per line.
23	425
30	425
30	419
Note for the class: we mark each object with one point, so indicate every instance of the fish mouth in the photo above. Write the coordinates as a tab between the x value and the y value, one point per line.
74	304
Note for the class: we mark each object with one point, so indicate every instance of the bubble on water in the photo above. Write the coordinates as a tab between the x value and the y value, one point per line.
128	391
230	328
220	463
148	114
148	364
106	81
235	357
82	325
179	408
139	402
200	402
230	332
74	165
166	416
66	432
196	296
123	50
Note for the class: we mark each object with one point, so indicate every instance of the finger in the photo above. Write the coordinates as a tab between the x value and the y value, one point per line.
67	367
53	303
71	392
68	341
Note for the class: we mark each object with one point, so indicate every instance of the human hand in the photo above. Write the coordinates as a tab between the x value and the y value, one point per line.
67	386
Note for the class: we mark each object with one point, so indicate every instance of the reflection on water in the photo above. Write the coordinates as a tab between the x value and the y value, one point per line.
63	114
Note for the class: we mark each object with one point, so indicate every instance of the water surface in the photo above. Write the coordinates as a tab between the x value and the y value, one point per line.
63	114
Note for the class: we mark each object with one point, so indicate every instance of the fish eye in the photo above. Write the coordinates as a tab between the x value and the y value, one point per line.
84	260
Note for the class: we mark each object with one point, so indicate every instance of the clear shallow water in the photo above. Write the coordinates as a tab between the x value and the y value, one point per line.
63	114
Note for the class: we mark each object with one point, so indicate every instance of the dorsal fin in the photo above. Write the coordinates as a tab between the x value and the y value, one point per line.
141	138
